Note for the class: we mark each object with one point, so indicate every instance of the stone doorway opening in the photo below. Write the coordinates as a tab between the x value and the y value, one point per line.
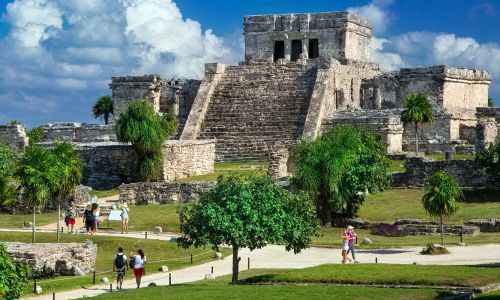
296	49
313	48
279	50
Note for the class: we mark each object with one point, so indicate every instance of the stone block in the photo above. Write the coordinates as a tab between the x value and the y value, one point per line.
38	290
209	276
157	229
105	280
217	255
163	269
366	241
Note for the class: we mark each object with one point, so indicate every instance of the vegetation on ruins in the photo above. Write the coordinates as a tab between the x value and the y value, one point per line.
488	157
103	108
69	168
146	131
14	122
36	175
248	212
340	168
13	276
491	103
441	197
417	110
8	193
35	135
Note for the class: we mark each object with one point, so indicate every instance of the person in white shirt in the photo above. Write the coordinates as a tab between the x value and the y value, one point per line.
139	266
124	216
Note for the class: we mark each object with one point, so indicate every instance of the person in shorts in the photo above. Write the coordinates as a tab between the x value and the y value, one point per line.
72	214
352	237
139	262
120	266
345	246
124	216
88	218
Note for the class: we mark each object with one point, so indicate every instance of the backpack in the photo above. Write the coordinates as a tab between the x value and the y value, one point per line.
132	262
119	261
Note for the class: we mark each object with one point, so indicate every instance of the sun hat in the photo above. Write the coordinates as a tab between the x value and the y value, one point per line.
350	227
124	204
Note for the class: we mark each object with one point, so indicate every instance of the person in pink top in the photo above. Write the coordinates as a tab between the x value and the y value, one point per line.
352	237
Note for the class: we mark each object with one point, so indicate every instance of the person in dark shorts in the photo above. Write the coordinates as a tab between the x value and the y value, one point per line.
120	266
88	219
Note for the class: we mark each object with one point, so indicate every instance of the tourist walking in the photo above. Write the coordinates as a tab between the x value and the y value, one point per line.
124	216
139	263
95	212
345	246
352	237
88	218
71	215
120	266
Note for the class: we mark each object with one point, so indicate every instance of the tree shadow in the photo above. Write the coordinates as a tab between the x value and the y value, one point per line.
384	251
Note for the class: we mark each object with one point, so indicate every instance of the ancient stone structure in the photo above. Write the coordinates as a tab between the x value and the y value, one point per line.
14	136
278	164
78	132
188	158
63	259
162	192
419	169
486	225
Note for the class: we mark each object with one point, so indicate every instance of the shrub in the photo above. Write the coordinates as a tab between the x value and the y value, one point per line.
13	276
388	230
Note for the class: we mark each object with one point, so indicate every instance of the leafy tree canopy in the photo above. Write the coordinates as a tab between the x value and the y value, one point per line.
146	131
489	158
8	164
13	276
35	135
339	168
103	107
248	212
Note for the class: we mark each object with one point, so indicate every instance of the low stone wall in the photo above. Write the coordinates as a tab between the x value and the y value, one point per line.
63	259
419	169
486	225
185	158
14	136
78	132
278	164
162	192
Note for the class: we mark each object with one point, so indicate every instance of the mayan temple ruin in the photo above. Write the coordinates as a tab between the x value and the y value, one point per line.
303	74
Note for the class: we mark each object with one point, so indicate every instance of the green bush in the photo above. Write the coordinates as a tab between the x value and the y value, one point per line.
13	276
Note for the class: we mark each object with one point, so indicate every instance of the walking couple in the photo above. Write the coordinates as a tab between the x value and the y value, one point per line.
348	237
137	263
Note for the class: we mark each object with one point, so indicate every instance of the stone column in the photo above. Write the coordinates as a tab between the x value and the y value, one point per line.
305	49
288	48
377	98
486	132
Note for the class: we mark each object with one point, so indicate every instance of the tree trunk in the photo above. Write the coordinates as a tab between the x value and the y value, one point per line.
33	226
58	218
236	262
106	118
442	232
416	139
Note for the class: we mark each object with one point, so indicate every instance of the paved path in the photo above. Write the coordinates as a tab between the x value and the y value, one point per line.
277	257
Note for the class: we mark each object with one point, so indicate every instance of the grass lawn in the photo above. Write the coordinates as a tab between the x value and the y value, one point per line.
17	221
406	203
215	290
455	156
396	166
104	193
331	238
463	276
106	248
146	217
246	168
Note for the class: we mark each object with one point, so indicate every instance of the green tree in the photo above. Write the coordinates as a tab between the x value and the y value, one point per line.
35	135
146	131
8	162
36	175
488	158
248	212
417	110
13	276
491	103
340	168
440	197
69	168
103	108
14	122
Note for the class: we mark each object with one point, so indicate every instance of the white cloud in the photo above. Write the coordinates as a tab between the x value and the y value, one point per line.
377	12
62	50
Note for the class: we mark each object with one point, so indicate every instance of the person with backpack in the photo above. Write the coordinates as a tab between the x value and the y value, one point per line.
120	266
88	218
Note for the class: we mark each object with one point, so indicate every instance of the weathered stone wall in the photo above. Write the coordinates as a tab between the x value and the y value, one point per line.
64	259
486	225
488	125
419	169
14	136
187	158
278	164
129	88
339	35
142	193
78	132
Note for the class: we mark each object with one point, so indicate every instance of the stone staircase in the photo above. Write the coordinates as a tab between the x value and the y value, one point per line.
258	106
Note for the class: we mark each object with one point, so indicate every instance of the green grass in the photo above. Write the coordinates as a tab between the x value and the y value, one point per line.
488	296
104	193
246	168
455	156
396	166
210	290
146	217
17	221
106	248
406	203
462	276
331	238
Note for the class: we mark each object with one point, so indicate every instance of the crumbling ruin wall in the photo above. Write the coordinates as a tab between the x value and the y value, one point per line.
14	136
177	96
143	193
188	158
63	259
78	132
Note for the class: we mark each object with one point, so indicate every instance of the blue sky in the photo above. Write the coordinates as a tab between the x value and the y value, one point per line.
57	56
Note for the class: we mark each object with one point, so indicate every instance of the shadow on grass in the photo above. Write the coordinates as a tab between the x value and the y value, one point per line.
487	265
384	251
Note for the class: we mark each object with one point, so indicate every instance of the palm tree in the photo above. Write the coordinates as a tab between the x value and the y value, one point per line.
36	173
440	198
69	168
103	108
417	110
